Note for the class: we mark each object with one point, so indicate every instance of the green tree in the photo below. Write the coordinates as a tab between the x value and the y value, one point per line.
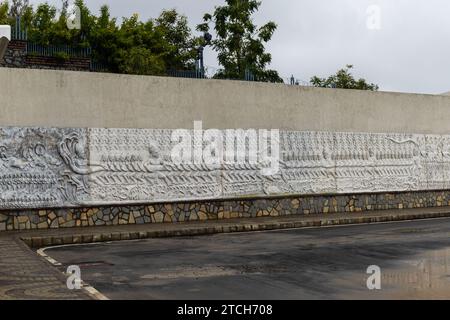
343	79
104	40
240	44
41	27
8	11
18	7
134	46
81	38
140	42
159	44
180	43
4	9
142	61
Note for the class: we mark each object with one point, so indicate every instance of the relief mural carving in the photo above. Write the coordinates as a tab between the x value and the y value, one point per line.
55	167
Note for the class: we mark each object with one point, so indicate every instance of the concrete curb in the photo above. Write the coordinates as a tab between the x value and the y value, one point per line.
183	230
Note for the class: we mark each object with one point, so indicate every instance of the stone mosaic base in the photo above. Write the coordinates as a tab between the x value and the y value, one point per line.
216	210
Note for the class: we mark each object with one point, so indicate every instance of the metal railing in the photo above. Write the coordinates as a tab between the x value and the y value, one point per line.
98	67
293	81
198	74
55	51
248	76
193	74
18	31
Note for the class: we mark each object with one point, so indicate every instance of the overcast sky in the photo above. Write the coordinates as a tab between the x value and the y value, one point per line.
409	52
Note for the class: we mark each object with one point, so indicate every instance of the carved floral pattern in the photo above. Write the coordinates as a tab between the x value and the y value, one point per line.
56	167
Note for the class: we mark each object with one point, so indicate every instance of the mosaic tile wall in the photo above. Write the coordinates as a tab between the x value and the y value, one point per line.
216	210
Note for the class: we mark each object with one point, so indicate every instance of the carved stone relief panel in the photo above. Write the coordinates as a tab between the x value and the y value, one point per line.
136	165
36	167
63	167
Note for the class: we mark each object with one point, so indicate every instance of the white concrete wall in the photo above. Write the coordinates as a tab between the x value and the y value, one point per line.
5	36
5	31
76	99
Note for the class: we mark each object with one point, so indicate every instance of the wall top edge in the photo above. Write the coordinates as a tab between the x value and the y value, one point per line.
125	77
124	130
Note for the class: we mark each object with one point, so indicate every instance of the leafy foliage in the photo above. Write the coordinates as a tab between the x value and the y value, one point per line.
240	43
4	10
155	46
134	46
18	7
343	79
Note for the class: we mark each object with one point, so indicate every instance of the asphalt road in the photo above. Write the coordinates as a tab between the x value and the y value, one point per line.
326	263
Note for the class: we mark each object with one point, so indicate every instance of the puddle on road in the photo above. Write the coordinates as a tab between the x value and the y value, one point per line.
424	276
190	272
208	271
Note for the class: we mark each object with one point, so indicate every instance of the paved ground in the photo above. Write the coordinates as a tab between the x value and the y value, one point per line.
23	275
325	263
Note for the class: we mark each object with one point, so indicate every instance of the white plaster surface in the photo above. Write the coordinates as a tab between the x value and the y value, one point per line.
47	98
5	31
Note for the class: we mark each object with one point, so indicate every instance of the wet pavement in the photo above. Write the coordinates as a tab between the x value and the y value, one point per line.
324	263
25	276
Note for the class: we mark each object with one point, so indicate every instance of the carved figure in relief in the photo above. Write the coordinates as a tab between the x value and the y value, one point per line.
74	155
3	155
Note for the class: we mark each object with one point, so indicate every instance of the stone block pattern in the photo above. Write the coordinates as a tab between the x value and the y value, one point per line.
218	210
15	54
51	63
17	57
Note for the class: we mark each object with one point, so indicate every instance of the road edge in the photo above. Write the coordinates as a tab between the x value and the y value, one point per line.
93	236
88	289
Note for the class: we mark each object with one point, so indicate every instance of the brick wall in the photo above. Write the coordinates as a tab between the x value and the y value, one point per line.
17	57
74	64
